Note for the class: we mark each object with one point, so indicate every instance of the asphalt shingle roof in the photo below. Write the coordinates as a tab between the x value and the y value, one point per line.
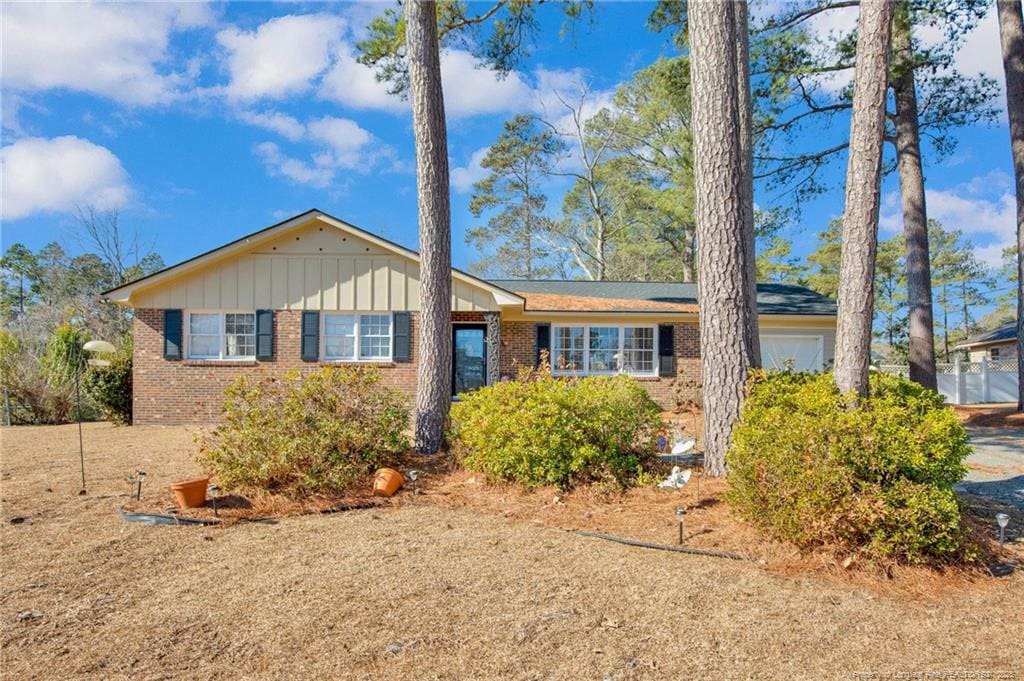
638	296
1003	333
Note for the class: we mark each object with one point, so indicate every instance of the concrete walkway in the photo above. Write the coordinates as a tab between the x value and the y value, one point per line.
997	465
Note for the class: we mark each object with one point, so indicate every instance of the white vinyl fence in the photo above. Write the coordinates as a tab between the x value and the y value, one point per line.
972	382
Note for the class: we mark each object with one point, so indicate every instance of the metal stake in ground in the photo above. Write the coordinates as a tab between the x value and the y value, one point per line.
78	415
91	346
680	514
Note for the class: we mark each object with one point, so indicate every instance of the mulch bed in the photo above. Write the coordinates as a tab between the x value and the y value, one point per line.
990	416
644	514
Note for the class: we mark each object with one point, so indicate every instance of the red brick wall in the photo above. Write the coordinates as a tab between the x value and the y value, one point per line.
191	391
518	349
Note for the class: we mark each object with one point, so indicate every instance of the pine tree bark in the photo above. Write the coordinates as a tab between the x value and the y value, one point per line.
921	327
863	187
1011	34
724	309
745	116
434	373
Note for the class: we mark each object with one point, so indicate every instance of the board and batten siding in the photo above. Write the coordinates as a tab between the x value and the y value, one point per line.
317	268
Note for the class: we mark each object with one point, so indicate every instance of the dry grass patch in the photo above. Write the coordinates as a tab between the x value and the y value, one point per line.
422	591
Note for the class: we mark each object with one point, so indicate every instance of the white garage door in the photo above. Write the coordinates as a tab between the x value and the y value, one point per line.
801	353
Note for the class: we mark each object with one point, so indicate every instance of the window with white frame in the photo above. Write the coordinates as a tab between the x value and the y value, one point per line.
567	349
638	350
355	337
221	335
603	350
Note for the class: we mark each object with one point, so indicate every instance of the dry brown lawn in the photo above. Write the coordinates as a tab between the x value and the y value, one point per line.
420	590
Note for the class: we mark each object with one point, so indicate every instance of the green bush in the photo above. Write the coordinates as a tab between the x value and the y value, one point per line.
64	357
876	479
541	430
306	433
110	388
32	394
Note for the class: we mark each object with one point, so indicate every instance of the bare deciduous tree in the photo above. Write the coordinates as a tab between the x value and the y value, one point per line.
593	209
122	250
434	375
863	187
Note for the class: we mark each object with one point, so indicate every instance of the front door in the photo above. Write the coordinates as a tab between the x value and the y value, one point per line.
469	357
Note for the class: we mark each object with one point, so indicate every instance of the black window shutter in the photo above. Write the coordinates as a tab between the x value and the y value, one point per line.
264	334
666	350
401	337
543	342
172	334
310	336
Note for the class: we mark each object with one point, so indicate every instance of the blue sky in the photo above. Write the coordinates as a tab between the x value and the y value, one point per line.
202	123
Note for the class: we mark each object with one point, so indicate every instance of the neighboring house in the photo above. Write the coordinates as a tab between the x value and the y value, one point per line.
314	290
997	344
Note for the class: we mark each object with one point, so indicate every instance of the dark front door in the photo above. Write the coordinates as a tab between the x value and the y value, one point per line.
469	357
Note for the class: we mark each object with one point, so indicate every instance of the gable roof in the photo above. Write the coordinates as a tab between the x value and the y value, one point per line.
123	292
1002	334
650	296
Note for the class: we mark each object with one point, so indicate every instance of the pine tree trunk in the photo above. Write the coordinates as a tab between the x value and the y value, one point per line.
433	388
745	116
920	325
724	309
1011	34
863	186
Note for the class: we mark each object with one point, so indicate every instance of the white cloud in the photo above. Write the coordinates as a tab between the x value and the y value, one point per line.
469	90
118	51
472	91
287	126
830	27
345	140
39	175
463	178
281	56
280	165
339	144
983	208
354	85
980	51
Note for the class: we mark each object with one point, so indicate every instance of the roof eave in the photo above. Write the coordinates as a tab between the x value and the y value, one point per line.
121	295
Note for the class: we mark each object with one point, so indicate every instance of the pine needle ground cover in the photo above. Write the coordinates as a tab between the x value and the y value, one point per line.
423	591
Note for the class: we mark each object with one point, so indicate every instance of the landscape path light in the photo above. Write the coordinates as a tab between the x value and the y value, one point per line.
1002	520
214	491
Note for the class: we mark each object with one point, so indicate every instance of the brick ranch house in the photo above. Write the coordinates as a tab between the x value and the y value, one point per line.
316	291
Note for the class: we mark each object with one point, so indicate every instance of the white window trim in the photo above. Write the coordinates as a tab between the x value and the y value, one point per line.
619	353
221	357
357	316
796	336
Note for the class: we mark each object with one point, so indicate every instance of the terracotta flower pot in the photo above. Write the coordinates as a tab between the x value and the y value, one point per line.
190	493
387	481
